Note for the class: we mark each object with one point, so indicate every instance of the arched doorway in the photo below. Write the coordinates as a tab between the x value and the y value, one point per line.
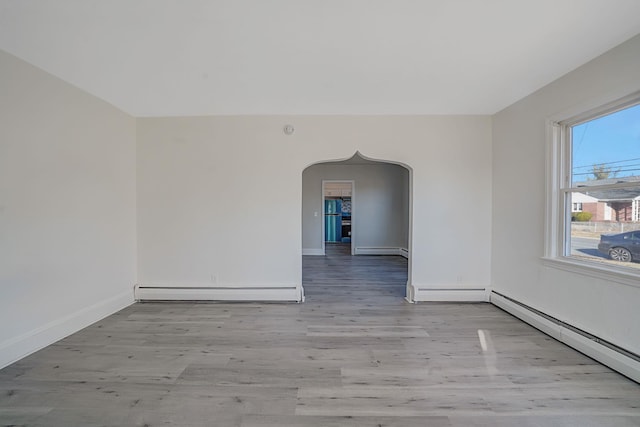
356	213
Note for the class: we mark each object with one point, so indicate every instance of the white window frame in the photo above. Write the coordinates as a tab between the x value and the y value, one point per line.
558	189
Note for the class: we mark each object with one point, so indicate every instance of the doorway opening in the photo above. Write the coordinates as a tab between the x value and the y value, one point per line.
337	208
356	228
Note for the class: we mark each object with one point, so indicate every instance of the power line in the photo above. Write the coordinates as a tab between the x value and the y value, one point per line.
613	172
582	137
606	163
599	169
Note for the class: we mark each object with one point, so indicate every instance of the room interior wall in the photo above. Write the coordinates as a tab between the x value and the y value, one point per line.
219	201
67	209
220	198
599	306
381	208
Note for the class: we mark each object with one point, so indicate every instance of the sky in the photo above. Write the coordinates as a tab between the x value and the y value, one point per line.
612	140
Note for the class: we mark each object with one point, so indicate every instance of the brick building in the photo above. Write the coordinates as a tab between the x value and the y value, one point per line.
618	205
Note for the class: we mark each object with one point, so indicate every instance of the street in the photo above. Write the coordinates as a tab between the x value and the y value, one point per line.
582	246
587	247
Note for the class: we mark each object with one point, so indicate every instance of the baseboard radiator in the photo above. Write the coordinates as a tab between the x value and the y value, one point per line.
449	294
144	292
619	359
367	250
313	251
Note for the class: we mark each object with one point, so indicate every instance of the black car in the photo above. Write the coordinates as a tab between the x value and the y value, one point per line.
621	247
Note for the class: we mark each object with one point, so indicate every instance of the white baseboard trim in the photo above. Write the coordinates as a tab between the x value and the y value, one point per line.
146	292
410	293
449	295
16	348
364	250
312	251
607	356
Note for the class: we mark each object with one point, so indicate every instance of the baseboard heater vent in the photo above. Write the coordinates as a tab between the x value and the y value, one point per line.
618	358
216	293
450	295
371	250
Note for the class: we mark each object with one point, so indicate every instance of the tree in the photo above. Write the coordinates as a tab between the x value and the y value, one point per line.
601	171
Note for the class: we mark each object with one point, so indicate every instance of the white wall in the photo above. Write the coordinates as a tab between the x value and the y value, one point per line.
602	307
222	196
67	209
381	214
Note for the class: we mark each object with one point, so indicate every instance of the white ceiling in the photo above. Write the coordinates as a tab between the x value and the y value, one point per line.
200	57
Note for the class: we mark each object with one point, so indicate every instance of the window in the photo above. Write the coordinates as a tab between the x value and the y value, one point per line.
595	187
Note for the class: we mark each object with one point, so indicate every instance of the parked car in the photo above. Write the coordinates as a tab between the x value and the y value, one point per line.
623	247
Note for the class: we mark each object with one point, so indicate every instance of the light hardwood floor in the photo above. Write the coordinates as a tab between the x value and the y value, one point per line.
355	354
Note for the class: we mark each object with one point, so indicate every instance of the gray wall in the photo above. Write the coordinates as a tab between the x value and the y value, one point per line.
597	304
380	204
189	168
67	209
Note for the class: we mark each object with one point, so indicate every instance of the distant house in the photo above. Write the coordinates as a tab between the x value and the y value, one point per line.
618	204
581	202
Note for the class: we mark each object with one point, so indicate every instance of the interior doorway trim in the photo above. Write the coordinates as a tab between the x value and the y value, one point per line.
411	292
353	191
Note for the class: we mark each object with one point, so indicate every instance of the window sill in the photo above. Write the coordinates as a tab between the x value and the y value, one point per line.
622	275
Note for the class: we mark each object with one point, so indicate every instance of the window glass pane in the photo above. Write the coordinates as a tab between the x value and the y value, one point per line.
606	150
603	230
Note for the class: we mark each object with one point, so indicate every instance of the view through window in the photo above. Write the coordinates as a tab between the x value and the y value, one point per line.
602	199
